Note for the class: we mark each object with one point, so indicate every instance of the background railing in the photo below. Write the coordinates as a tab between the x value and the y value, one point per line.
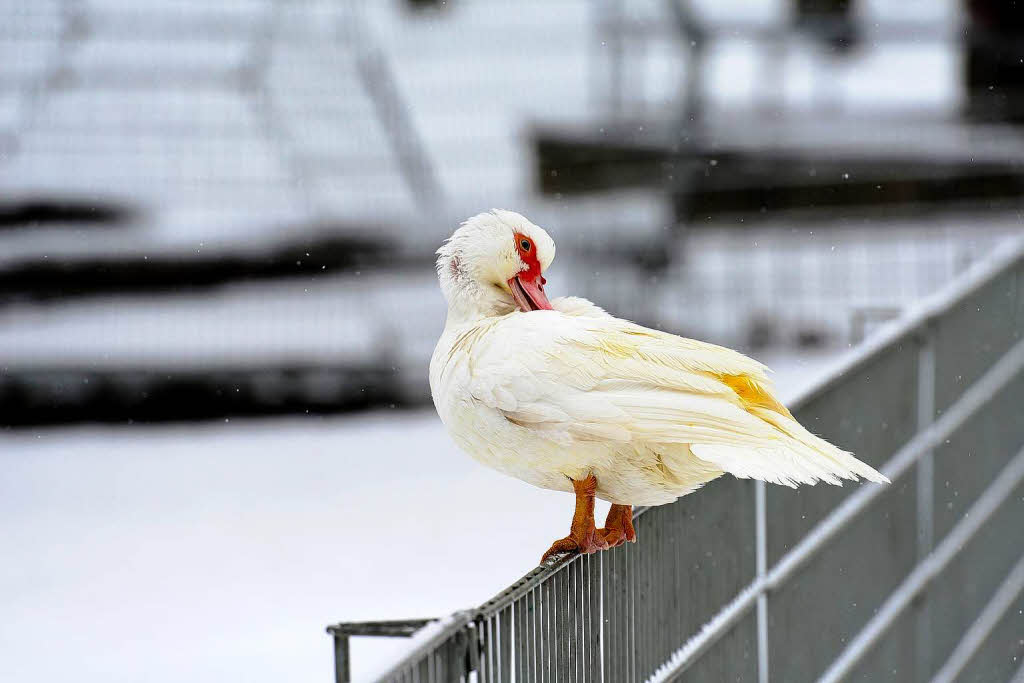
747	582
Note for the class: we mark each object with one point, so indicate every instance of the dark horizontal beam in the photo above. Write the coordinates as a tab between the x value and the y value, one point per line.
397	628
703	179
35	214
750	187
45	396
54	278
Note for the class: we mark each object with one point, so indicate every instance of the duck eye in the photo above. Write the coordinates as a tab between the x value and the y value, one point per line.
525	244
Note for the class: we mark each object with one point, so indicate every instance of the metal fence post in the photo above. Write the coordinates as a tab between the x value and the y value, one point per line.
341	658
925	492
761	550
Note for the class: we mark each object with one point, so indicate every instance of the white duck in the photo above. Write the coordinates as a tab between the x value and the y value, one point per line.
564	396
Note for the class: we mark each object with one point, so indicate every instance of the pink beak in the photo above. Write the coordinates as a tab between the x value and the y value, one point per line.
529	294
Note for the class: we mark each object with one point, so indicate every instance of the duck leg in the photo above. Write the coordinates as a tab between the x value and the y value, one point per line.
583	536
618	526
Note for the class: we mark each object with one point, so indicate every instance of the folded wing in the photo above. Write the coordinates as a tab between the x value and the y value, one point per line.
583	375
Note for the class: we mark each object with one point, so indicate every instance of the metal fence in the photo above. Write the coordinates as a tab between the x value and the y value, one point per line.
920	580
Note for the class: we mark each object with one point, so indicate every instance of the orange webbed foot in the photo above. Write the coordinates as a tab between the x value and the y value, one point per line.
589	543
583	535
618	526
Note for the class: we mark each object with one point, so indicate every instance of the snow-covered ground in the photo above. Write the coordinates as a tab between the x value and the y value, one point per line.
218	552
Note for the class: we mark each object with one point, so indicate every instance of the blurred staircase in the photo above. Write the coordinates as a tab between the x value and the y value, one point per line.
216	120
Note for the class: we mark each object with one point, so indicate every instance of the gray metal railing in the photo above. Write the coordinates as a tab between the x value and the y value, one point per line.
913	582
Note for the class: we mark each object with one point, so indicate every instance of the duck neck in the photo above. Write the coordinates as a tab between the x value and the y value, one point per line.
472	302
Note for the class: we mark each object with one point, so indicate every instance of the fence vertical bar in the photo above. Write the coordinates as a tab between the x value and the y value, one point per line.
549	630
631	572
536	662
654	601
556	630
460	658
519	639
581	619
761	552
595	622
494	644
607	616
493	647
483	671
543	647
505	645
645	604
666	576
574	615
624	612
584	621
678	574
615	617
925	486
342	657
474	647
664	590
565	632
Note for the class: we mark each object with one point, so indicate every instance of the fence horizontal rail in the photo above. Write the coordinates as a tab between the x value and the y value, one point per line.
1004	597
967	527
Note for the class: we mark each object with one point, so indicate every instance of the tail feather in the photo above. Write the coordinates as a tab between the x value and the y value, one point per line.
840	462
797	457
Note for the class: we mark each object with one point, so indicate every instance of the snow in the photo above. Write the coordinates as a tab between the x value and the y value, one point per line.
221	551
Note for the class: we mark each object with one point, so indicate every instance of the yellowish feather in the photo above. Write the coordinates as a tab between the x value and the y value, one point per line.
753	394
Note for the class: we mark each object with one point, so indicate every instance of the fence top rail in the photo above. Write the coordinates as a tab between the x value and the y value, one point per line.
915	320
426	640
1003	258
394	627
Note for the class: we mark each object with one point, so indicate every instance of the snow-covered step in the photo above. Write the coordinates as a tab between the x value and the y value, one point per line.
157	57
317	344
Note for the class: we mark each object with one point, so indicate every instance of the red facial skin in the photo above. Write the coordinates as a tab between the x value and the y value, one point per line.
528	285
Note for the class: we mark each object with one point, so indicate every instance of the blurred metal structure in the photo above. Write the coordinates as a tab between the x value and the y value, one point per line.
748	582
781	140
196	105
637	32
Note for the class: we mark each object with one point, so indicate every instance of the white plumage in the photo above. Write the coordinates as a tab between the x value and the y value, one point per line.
550	396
